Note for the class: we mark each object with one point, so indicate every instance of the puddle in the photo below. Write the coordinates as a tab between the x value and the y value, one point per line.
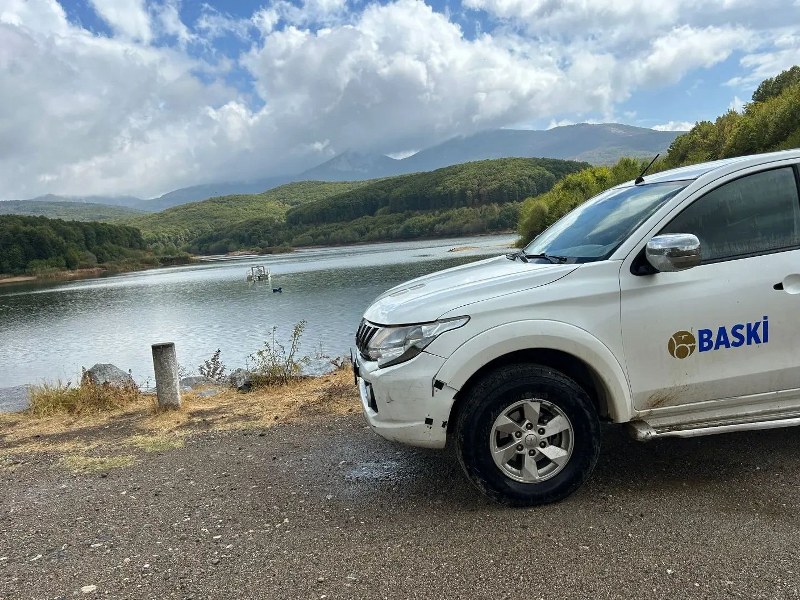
386	470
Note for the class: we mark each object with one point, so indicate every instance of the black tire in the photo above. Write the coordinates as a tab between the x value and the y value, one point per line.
496	393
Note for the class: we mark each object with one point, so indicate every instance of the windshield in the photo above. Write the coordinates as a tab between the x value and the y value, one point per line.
598	226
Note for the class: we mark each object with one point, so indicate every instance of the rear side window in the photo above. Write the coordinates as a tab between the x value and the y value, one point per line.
755	214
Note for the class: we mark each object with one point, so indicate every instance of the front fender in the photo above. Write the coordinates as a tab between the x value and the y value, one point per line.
546	335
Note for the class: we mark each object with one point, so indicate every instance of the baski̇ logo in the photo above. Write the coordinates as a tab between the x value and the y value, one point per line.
682	344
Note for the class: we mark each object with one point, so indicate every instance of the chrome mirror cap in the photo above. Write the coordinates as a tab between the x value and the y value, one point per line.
672	252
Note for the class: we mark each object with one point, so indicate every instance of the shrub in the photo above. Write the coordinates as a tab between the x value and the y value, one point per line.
49	399
213	368
274	364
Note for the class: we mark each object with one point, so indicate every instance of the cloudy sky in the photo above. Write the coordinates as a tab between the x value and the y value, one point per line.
145	96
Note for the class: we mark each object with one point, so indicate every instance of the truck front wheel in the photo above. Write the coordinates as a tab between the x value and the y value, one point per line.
527	435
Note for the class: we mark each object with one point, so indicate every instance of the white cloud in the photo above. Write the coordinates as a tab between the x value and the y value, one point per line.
674	126
402	154
139	112
559	123
170	23
214	24
128	18
776	52
736	104
685	48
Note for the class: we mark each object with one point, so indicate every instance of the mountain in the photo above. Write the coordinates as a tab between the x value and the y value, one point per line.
598	144
603	143
68	211
351	166
212	190
129	201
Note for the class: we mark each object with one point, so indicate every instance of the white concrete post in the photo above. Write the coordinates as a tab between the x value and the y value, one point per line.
165	365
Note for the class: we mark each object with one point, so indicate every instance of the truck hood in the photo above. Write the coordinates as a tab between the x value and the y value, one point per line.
427	298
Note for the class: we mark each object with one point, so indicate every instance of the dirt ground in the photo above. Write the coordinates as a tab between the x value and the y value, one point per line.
223	500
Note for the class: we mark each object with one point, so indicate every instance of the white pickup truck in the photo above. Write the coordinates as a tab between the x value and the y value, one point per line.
670	303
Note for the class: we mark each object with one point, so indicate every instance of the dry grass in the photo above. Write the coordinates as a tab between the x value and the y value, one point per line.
156	443
50	399
79	463
135	424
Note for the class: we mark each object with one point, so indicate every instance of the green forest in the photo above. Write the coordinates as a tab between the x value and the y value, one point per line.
466	185
38	244
477	197
771	121
269	233
175	228
69	211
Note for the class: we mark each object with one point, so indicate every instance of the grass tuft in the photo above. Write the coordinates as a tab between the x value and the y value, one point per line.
156	443
80	463
59	398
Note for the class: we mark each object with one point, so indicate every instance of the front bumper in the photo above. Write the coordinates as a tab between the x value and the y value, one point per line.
401	403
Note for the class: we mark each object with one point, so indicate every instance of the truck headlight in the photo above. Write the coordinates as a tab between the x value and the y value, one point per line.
394	345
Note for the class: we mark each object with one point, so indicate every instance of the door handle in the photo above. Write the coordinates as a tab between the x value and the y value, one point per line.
790	284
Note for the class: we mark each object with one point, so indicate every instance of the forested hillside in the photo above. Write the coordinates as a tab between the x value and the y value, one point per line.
269	233
467	185
69	211
36	244
770	122
176	227
475	197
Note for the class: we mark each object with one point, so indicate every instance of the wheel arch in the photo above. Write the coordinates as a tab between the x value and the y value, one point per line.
565	348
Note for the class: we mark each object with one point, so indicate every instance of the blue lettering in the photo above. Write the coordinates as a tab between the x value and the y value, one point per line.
752	333
705	340
722	339
766	329
736	334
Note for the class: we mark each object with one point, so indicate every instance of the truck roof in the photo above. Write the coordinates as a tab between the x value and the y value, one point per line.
698	170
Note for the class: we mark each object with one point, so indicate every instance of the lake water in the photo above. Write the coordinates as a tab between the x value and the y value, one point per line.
48	332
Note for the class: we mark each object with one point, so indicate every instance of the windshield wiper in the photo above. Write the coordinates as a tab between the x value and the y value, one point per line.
517	255
556	260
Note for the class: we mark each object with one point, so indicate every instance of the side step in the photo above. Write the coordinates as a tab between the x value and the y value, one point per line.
643	432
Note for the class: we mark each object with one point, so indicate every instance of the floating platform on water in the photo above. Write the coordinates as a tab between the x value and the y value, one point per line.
259	273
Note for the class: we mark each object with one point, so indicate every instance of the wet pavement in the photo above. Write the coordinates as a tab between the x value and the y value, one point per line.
328	510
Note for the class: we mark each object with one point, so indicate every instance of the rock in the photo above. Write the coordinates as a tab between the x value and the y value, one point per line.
188	383
88	589
108	374
241	380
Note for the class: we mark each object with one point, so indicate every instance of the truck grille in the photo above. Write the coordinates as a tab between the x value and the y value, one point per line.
365	333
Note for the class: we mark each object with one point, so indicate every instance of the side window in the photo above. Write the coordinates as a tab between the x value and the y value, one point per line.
755	214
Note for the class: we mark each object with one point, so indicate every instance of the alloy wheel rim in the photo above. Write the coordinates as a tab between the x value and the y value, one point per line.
531	440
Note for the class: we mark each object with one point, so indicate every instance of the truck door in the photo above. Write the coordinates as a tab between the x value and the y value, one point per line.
729	327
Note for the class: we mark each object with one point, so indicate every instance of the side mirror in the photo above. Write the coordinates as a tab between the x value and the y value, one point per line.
672	252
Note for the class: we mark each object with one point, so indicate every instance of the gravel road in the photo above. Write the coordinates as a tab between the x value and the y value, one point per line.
326	509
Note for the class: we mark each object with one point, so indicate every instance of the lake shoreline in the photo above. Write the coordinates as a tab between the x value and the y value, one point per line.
51	328
67	275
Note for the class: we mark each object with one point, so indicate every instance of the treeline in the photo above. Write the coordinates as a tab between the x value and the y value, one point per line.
269	234
36	244
175	228
69	211
467	185
770	122
538	213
